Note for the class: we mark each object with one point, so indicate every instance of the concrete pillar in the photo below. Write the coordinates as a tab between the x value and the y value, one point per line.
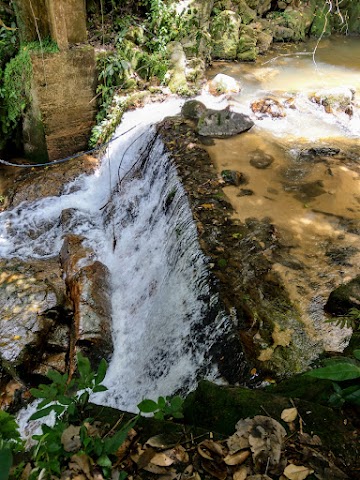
63	109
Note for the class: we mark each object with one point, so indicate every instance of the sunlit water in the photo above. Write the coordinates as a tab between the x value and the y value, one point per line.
315	205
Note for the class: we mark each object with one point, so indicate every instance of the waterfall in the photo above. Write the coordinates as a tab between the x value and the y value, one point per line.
135	215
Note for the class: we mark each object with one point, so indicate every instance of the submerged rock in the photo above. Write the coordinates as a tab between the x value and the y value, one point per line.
261	160
223	123
233	177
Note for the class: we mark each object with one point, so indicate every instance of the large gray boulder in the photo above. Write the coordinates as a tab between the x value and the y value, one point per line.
223	123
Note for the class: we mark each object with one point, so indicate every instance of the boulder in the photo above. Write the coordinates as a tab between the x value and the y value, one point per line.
268	107
193	109
261	6
264	41
224	30
343	298
30	296
223	123
222	83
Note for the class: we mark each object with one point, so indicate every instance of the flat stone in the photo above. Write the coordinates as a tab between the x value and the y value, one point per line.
223	123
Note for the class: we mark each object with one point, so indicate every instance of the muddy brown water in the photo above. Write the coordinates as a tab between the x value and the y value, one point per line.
312	200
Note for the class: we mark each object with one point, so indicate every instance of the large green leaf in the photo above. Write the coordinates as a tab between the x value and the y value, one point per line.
356	353
337	372
101	371
148	406
5	463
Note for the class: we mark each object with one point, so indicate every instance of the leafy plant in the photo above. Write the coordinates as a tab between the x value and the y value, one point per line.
73	432
341	369
10	442
350	320
70	397
164	408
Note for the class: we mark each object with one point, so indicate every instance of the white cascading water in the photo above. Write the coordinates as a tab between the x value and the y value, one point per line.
143	231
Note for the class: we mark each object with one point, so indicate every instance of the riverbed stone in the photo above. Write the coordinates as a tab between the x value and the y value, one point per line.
223	123
233	177
343	298
261	160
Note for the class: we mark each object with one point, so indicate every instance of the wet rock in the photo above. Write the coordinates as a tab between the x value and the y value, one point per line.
334	99
261	160
268	107
223	123
59	338
222	83
88	286
193	109
30	294
233	177
343	298
320	151
57	361
224	30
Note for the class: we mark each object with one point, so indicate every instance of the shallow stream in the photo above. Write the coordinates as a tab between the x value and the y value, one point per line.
313	200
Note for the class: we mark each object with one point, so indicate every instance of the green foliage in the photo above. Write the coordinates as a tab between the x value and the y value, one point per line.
9	44
73	432
164	408
341	369
10	442
350	320
15	84
69	397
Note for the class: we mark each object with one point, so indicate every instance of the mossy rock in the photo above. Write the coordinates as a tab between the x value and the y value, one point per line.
246	49
219	408
224	32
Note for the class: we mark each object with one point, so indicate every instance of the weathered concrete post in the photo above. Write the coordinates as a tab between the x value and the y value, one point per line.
63	83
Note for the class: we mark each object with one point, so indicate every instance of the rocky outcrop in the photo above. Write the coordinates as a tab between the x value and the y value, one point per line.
32	297
87	282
